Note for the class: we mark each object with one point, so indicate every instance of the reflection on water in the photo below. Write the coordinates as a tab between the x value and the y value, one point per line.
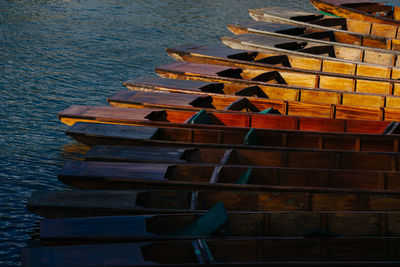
58	53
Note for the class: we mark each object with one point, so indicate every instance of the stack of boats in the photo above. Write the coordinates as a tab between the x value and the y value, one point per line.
285	152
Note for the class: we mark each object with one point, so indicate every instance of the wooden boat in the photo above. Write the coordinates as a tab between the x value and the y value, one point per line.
111	134
347	30
218	120
364	10
222	176
286	61
273	157
84	203
311	50
288	101
235	224
262	61
254	77
310	34
348	251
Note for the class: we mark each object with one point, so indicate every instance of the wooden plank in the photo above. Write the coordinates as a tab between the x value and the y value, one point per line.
117	131
139	154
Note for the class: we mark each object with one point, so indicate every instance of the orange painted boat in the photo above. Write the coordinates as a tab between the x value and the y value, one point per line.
202	119
364	10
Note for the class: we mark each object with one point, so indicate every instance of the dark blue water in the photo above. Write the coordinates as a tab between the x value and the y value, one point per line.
57	53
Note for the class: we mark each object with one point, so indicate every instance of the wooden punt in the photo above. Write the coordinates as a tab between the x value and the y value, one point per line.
282	79
370	251
219	120
84	203
346	30
229	97
260	59
273	157
112	134
223	176
239	224
289	78
310	50
363	10
310	34
257	60
286	61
